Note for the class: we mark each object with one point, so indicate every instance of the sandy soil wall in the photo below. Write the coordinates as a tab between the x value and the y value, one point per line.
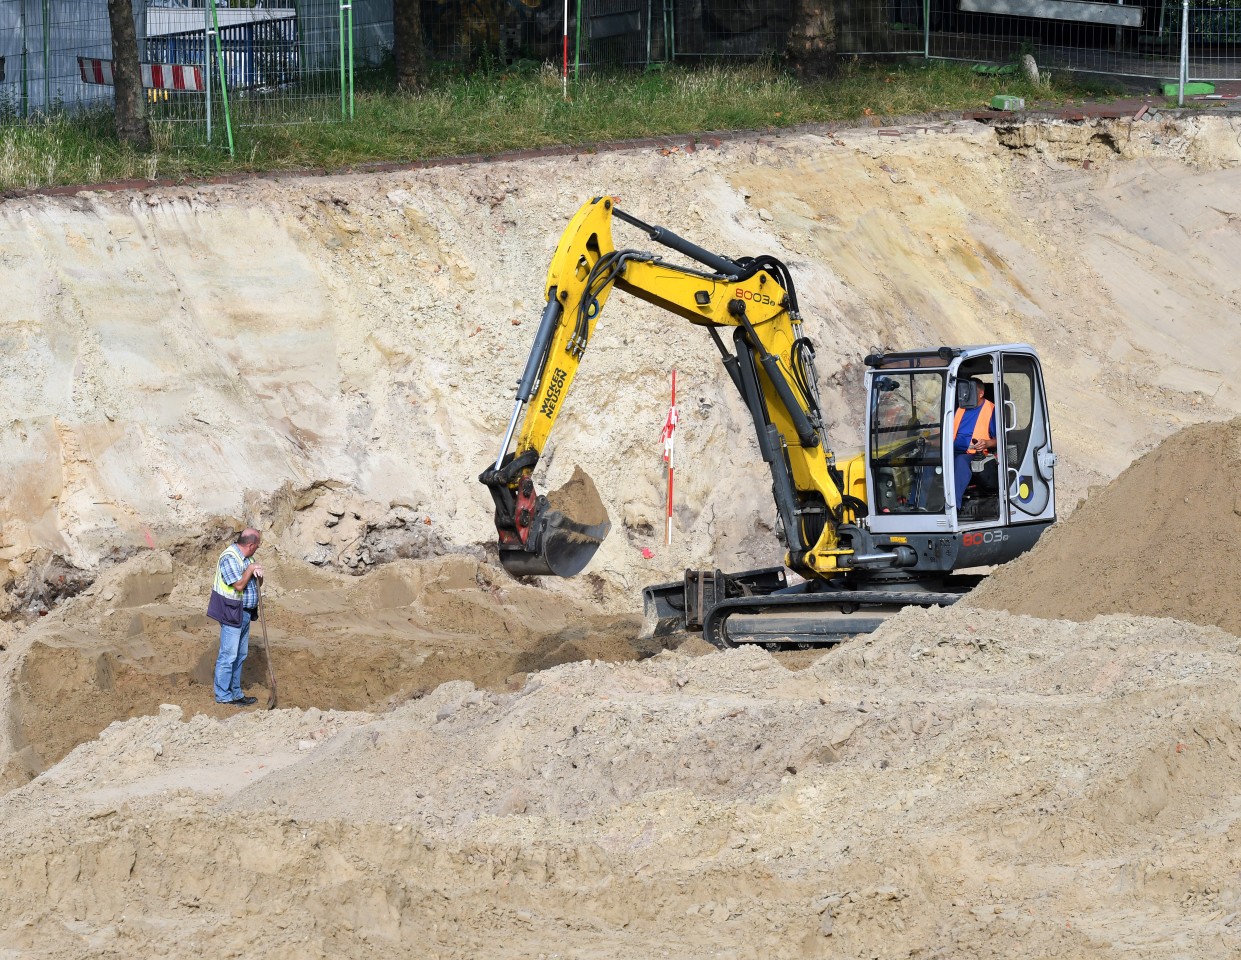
187	354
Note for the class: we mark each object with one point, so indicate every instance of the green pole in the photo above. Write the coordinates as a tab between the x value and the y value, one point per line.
649	7
672	30
207	81
25	67
301	42
577	46
219	62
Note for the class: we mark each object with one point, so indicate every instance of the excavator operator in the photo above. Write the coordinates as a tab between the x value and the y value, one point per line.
974	434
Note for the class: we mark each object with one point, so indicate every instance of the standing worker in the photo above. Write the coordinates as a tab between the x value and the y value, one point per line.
234	603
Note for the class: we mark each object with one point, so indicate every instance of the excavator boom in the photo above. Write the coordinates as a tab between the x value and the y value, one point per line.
772	367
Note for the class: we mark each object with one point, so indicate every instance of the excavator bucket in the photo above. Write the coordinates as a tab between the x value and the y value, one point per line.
565	528
564	547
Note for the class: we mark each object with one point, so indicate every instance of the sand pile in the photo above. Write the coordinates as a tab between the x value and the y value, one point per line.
1160	541
579	499
963	783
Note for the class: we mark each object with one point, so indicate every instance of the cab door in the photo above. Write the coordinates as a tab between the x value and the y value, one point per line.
1028	462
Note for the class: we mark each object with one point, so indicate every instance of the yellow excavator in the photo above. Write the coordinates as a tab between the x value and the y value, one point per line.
884	529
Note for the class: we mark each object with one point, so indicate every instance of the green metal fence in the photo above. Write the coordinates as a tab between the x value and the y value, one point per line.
209	67
213	67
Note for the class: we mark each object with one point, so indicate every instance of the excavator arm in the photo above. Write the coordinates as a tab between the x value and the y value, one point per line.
771	364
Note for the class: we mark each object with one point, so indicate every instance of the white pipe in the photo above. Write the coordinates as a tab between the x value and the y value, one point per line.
1180	98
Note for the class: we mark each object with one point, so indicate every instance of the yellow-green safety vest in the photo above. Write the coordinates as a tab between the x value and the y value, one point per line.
220	586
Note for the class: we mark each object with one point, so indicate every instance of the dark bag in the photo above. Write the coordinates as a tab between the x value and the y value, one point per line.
224	609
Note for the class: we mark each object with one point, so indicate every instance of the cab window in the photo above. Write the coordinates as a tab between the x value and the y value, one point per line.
905	442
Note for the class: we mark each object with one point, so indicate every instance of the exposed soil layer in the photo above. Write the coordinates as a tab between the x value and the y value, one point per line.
333	351
133	642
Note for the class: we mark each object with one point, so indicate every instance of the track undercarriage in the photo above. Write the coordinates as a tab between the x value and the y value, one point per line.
761	607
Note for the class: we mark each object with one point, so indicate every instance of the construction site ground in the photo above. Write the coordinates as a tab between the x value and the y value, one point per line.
465	765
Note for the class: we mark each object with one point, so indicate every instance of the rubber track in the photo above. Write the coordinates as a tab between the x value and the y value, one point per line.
713	627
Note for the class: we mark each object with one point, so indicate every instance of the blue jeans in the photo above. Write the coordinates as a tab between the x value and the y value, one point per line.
962	473
234	645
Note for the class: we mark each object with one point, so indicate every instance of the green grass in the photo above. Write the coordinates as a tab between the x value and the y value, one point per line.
496	110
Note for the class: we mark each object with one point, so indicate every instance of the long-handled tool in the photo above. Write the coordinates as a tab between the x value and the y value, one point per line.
271	673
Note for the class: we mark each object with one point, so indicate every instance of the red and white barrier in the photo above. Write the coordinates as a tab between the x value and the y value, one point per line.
155	76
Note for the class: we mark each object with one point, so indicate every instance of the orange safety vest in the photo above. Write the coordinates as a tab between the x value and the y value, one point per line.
982	426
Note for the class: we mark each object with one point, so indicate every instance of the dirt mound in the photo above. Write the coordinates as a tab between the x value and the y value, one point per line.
139	638
1160	541
579	500
963	782
453	766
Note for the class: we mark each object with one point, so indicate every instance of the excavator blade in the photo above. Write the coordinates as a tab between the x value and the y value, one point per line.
567	528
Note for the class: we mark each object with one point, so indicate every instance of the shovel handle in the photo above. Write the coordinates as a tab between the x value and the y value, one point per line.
271	673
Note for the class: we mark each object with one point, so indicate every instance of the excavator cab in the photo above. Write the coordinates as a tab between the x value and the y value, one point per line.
921	477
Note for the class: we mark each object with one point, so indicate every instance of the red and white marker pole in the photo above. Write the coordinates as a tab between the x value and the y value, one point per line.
669	436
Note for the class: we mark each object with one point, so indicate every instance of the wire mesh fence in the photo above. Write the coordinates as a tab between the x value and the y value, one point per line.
247	66
215	66
208	67
604	34
1155	39
40	42
290	62
1138	38
633	32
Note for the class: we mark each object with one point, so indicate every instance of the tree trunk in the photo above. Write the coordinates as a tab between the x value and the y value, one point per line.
812	38
407	47
131	119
